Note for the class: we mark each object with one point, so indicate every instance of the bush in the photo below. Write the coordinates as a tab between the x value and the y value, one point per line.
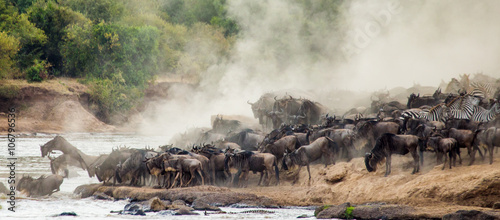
38	72
112	97
9	46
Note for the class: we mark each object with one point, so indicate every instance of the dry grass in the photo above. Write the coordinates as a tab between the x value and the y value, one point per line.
66	86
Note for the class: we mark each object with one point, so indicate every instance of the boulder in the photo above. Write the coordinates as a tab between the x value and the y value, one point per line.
338	211
201	205
185	211
471	215
156	204
102	196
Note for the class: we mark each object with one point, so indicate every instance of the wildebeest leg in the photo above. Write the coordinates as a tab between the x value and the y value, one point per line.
459	157
175	179
388	165
298	174
309	172
416	162
472	155
66	173
446	159
202	178
236	178
261	175
490	150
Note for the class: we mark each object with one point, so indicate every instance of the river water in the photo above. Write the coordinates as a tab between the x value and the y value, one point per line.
30	162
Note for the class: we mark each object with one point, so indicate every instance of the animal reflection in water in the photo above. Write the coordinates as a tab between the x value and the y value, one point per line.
389	144
44	185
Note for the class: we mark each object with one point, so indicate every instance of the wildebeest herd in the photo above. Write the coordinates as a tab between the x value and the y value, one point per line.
302	132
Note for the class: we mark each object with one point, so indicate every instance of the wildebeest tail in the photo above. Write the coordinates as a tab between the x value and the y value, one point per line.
297	143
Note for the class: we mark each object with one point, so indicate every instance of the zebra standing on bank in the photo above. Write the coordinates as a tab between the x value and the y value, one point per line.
462	107
436	113
485	115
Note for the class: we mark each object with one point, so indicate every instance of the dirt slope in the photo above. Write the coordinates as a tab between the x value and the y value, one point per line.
477	185
53	106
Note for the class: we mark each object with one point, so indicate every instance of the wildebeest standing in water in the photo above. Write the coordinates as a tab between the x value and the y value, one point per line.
44	185
389	144
323	147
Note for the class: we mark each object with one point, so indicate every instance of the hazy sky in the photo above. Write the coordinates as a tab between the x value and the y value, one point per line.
374	45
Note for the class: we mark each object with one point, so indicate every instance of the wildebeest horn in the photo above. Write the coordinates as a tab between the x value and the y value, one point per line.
275	98
248	101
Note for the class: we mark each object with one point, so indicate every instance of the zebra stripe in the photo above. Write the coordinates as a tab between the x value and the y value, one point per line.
485	115
436	113
462	107
483	90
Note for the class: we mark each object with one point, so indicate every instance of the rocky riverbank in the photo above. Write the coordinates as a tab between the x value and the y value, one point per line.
432	194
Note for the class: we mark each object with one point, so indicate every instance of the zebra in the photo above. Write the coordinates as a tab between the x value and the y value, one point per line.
483	115
482	90
462	107
436	113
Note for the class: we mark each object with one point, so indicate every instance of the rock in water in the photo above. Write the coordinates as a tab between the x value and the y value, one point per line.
156	204
201	205
334	211
184	211
66	214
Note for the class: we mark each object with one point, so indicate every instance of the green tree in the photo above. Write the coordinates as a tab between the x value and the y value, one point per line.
97	10
53	20
9	46
28	35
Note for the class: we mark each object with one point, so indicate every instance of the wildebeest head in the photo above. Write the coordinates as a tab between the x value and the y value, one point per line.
286	161
368	162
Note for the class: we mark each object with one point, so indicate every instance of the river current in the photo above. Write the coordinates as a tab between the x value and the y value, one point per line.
30	162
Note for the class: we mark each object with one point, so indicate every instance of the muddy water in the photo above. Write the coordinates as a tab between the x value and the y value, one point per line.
29	162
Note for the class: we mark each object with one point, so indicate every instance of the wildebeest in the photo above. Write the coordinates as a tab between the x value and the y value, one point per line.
156	168
489	137
261	108
415	101
246	161
277	148
247	139
223	126
444	146
323	147
216	157
61	144
106	170
44	185
465	139
371	130
389	144
181	165
134	167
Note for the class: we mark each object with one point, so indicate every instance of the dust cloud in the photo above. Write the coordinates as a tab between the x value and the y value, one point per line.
332	52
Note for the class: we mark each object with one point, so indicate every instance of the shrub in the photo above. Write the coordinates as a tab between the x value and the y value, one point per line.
38	72
9	91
